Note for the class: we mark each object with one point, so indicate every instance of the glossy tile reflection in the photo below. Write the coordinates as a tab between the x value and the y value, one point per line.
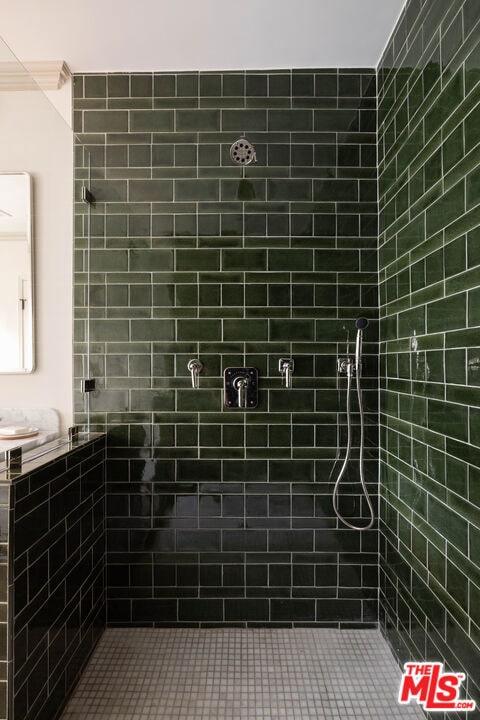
429	275
194	257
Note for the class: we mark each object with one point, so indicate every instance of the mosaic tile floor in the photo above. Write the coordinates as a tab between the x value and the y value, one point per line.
230	674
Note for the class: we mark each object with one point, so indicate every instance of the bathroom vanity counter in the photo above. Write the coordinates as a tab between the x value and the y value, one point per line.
52	539
45	420
42	437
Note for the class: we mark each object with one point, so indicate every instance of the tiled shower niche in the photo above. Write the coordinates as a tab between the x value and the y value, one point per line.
217	515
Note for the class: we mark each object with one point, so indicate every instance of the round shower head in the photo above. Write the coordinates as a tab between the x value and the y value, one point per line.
361	323
242	152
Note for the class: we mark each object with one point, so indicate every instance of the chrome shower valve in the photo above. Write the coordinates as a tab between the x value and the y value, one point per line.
286	366
195	367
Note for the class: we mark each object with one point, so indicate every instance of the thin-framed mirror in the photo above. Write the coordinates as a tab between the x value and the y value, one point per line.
16	273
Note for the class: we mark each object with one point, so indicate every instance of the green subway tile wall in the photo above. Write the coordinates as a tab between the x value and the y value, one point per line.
429	260
193	256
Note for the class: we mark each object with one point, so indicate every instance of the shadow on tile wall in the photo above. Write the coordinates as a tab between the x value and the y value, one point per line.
217	515
430	312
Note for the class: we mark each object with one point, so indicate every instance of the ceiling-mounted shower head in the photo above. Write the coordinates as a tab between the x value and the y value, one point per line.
242	152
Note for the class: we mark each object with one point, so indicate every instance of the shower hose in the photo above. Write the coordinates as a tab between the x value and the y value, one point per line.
350	372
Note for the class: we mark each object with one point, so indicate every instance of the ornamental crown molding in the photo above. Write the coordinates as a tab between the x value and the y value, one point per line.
47	74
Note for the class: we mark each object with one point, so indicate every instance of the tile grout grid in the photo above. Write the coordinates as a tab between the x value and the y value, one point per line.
232	673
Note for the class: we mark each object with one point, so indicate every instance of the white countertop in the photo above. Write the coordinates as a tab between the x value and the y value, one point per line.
43	436
45	419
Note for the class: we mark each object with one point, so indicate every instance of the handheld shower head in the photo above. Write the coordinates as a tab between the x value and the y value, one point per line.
360	324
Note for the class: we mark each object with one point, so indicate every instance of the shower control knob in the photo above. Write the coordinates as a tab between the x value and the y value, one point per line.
241	387
345	365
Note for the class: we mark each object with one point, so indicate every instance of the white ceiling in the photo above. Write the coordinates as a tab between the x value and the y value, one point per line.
147	35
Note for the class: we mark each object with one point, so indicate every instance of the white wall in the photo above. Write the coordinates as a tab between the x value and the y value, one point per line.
34	138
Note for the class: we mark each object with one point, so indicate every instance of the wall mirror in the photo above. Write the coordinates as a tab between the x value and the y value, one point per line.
16	273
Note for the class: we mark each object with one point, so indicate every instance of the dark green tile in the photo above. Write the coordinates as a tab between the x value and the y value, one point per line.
187	85
289	190
245	259
210	84
336	120
151	120
196	190
118	85
164	85
185	155
150	190
447	314
456	476
162	155
278	295
453	148
290	120
446	209
288	330
279	85
95	86
232	294
336	260
108	260
256	84
96	121
151	259
186	295
197	120
209	155
290	259
199	330
243	330
162	225
152	400
474	307
109	330
475	426
473	248
455	256
141	86
197	259
448	418
152	330
244	120
233	85
232	224
335	190
198	400
209	295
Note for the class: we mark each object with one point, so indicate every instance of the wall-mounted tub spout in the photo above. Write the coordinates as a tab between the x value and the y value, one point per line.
195	367
286	366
